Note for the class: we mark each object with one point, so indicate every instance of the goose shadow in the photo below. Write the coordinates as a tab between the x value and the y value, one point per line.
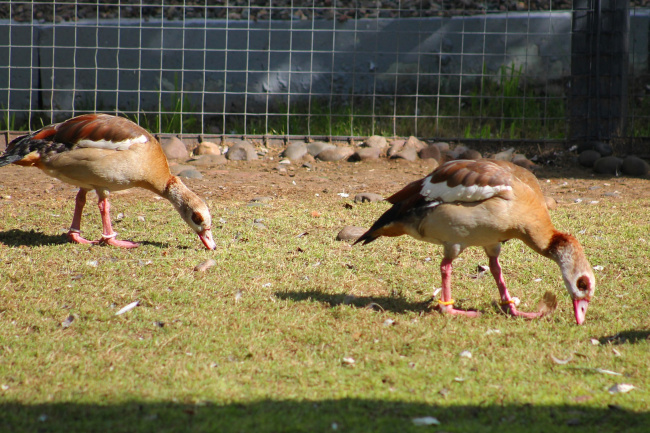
32	238
394	304
631	336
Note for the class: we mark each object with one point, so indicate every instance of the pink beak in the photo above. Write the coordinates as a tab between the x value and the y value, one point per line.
206	238
580	309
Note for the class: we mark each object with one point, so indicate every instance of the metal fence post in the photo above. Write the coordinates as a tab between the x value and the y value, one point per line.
599	70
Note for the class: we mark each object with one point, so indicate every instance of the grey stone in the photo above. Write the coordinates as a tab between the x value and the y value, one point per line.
525	163
602	148
241	150
335	154
376	141
457	151
506	155
174	148
209	159
367	197
367	153
316	147
190	173
407	153
608	165
442	145
430	152
588	158
350	233
470	154
395	146
207	148
176	168
634	166
415	143
295	150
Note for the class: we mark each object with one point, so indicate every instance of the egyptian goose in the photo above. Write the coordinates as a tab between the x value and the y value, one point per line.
484	203
107	153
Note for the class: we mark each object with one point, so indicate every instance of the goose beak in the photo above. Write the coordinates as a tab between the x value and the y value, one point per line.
580	310
206	238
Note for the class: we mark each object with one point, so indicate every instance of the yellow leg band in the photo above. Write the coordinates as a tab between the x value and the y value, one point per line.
511	301
445	303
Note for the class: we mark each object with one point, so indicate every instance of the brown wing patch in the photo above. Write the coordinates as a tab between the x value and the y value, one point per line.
480	172
46	133
408	193
97	127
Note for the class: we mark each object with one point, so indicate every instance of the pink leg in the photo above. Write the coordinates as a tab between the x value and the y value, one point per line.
507	304
108	235
74	234
446	304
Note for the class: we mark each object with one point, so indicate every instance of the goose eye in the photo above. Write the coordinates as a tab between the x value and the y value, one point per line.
583	283
197	218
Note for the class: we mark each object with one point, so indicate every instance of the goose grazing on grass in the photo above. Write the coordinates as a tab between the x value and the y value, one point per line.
484	203
107	153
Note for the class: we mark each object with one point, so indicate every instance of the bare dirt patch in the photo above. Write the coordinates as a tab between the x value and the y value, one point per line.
568	183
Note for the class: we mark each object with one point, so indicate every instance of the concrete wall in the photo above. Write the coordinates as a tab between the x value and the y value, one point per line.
241	66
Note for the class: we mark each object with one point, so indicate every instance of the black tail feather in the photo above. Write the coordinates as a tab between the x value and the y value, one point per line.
23	146
390	216
8	159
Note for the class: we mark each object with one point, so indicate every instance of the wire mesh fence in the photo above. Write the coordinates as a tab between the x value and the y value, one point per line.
312	68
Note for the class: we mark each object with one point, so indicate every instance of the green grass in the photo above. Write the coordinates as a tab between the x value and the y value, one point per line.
499	106
270	358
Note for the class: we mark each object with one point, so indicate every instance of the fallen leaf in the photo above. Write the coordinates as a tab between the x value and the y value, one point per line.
204	266
547	304
67	322
603	371
127	308
583	398
621	387
426	420
594	341
562	361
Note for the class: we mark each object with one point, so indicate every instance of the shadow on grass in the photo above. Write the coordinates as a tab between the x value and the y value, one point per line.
16	238
344	415
381	303
631	336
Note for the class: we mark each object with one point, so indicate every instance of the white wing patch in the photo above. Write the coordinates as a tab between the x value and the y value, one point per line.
442	192
114	145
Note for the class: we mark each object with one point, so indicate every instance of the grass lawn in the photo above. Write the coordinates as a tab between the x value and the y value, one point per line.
256	343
